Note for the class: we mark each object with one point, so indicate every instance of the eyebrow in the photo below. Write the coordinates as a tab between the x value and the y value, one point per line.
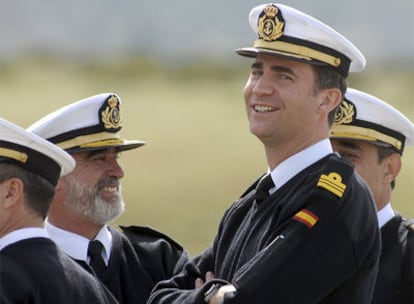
275	68
256	65
94	152
349	145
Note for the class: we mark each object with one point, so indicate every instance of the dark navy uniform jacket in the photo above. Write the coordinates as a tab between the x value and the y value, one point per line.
314	240
35	271
395	280
140	258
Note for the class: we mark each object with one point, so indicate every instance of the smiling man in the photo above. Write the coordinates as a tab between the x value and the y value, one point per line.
307	231
32	268
129	261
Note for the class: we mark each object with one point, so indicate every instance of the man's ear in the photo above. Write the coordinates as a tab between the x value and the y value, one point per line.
332	98
392	167
11	192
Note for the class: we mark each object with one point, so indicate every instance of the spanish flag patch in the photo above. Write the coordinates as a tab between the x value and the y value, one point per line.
306	217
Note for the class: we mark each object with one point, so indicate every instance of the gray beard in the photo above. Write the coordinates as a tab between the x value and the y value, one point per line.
85	201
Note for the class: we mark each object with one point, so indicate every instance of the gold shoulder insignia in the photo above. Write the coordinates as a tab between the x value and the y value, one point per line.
270	27
345	113
333	183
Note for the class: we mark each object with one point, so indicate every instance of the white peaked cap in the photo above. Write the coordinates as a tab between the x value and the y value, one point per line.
288	32
33	153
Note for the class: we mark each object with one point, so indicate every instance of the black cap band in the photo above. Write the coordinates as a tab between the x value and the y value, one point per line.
30	160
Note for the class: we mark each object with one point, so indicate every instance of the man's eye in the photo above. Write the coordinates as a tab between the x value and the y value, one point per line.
285	77
98	158
348	155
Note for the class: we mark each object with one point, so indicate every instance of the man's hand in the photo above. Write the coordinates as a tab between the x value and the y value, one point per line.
219	296
199	281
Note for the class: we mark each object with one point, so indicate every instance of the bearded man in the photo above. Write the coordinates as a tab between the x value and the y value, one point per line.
129	261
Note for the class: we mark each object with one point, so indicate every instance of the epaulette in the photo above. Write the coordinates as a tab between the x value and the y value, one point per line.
335	176
328	191
147	232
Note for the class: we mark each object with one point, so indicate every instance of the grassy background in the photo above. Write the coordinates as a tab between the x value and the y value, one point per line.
200	154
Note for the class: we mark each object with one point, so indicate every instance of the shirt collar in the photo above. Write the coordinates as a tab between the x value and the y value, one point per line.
299	161
385	215
22	234
76	245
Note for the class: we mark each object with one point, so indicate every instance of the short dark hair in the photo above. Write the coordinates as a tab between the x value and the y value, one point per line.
327	78
38	191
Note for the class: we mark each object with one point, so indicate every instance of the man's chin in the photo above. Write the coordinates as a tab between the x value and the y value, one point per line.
106	211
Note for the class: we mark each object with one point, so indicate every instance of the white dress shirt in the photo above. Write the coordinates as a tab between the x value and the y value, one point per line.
22	234
299	161
76	245
385	215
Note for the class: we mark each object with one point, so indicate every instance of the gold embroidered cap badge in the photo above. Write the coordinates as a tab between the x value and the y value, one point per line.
110	114
270	28
345	113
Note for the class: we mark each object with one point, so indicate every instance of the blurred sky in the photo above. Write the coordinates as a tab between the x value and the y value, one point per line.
174	29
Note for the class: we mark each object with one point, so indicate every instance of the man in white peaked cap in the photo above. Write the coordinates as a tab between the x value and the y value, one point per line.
130	260
306	232
32	268
372	135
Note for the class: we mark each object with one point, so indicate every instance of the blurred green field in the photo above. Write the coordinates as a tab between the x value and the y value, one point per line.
200	155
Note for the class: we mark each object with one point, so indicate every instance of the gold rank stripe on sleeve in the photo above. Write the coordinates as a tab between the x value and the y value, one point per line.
306	217
333	183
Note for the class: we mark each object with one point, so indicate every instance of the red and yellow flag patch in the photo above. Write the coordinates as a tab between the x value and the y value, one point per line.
306	217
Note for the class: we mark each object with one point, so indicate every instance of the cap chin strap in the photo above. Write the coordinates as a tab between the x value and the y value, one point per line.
298	51
14	154
361	133
91	140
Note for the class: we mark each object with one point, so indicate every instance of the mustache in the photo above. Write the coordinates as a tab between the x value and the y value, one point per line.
109	181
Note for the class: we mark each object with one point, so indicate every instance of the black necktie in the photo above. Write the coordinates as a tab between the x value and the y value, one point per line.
263	187
95	253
